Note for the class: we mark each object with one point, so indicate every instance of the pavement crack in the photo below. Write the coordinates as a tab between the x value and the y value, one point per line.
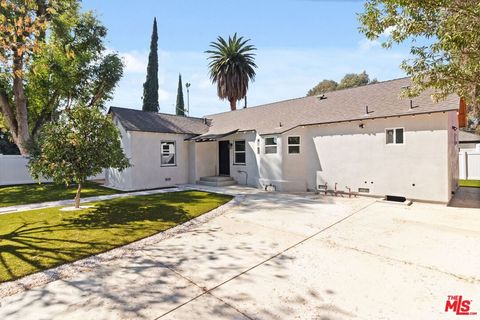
256	265
203	288
431	268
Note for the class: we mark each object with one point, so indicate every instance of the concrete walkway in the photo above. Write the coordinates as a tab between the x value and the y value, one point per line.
280	256
466	197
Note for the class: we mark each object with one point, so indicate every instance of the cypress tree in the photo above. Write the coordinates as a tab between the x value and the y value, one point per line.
150	87
180	107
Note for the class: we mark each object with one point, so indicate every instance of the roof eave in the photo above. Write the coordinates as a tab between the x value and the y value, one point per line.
363	118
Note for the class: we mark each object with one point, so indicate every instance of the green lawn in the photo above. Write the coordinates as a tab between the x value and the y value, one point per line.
34	193
469	183
36	240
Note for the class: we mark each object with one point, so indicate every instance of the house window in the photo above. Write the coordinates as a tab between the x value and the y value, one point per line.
239	153
258	146
271	145
293	145
168	157
394	136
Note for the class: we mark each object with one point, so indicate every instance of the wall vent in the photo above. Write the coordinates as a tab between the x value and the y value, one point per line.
364	190
395	198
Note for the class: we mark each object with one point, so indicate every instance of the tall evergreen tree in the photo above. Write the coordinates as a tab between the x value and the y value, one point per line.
150	87
180	107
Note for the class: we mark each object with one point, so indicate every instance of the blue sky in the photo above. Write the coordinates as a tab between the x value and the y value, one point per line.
299	42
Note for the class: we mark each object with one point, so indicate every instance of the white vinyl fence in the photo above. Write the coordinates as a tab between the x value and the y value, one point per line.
13	170
469	164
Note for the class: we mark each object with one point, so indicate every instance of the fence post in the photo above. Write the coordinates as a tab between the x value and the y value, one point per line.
465	163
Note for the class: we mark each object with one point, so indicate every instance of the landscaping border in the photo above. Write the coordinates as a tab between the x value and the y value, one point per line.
69	270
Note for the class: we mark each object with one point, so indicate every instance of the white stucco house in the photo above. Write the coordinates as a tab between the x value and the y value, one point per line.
365	138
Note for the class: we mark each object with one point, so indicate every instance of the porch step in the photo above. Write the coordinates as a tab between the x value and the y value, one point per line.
220	181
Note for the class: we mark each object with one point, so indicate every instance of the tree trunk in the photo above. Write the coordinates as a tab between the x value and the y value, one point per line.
77	196
475	111
20	136
233	104
20	131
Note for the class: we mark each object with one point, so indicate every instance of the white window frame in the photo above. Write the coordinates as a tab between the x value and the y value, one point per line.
394	143
174	153
235	151
294	144
275	139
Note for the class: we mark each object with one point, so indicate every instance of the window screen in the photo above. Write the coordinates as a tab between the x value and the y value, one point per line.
270	145
167	157
239	152
293	145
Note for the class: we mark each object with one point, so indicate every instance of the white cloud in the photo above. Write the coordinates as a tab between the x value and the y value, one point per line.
135	62
366	44
282	73
388	31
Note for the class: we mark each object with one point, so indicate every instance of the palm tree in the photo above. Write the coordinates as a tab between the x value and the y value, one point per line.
231	67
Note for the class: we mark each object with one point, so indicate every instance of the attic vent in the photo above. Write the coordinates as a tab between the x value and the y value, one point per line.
322	97
412	106
367	112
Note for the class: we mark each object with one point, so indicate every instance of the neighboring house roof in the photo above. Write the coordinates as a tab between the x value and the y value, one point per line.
138	120
383	100
468	137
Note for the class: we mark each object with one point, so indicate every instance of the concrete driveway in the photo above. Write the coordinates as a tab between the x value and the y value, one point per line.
280	256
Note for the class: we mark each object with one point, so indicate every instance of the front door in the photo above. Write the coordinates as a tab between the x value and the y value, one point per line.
224	158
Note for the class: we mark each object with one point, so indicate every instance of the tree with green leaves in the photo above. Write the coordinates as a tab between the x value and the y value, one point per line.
232	67
6	143
150	87
80	144
322	87
52	57
350	80
180	106
445	43
7	146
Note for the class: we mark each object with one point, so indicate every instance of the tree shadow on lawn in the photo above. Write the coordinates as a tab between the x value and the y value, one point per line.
118	214
36	193
40	242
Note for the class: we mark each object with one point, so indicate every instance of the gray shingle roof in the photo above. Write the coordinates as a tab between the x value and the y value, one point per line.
383	100
468	137
137	120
